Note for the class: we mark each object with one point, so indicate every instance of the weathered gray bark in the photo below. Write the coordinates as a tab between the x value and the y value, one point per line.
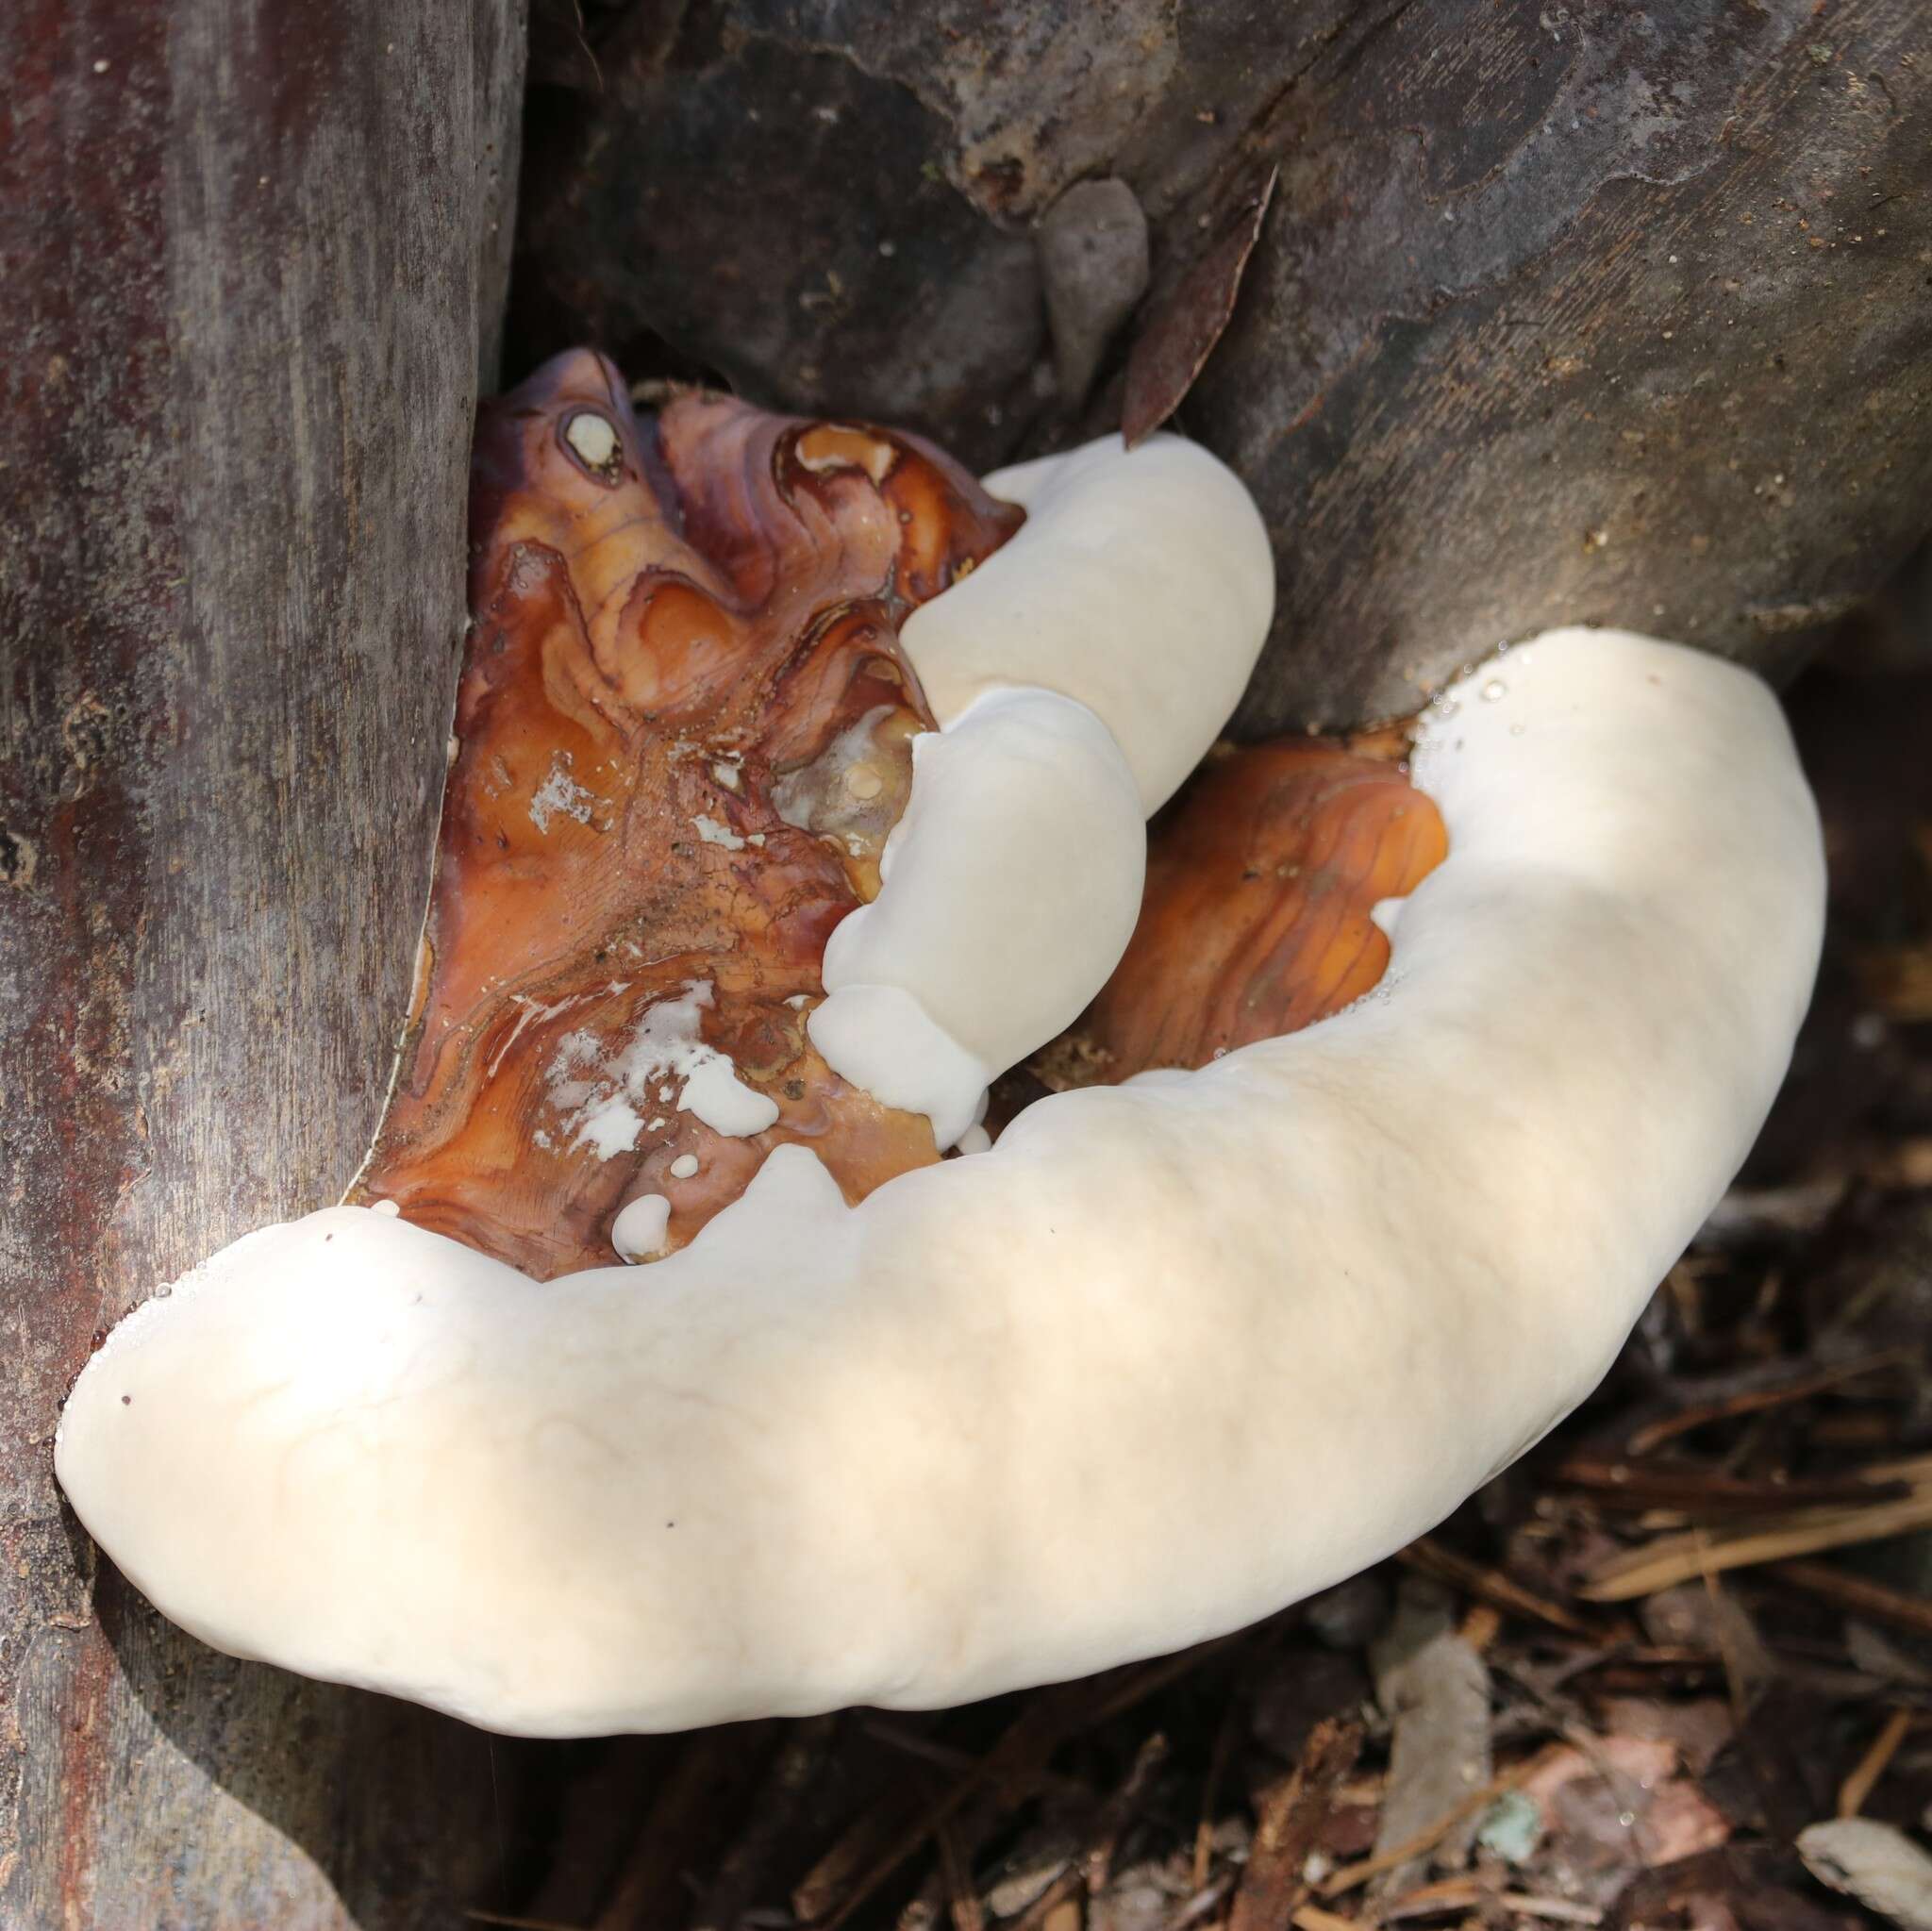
1583	313
253	262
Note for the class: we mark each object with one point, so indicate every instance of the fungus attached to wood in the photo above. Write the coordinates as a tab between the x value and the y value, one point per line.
684	732
1166	1357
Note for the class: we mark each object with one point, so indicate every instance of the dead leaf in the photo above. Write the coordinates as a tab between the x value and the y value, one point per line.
1880	1866
1180	332
1436	1690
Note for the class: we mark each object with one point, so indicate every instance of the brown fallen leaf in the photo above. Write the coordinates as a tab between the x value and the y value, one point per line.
1183	326
1624	1790
1880	1866
1435	1690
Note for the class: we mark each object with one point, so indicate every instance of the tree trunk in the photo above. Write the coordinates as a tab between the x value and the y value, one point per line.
1558	314
253	266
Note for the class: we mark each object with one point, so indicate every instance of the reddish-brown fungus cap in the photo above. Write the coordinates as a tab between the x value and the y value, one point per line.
681	741
1256	920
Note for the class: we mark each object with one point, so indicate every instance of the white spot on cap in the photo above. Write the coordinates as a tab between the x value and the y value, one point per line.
593	438
559	791
609	1129
684	1166
713	833
596	1093
641	1229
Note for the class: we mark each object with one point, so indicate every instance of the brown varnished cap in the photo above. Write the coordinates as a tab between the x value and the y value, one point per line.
1257	915
682	737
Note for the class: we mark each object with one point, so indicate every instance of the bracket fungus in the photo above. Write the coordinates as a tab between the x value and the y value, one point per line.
726	942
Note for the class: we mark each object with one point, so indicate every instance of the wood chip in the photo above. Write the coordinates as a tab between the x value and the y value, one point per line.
1273	1885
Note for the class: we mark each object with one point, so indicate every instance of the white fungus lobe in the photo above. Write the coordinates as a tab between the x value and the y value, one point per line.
642	1228
1008	892
1167	1356
1141	584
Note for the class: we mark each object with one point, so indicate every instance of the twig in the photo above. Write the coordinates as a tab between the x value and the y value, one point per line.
1493	1586
855	1848
1461	1893
1859	1595
1022	1752
682	1813
1699	1491
1090	1873
1204	1901
1564	1910
1873	1765
963	1901
1677	1558
800	1758
1021	1745
1749	1401
1351	1876
1210	1790
1313	1918
1428	1900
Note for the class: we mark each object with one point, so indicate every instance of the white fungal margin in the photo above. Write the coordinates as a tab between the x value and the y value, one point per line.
1167	1356
1008	892
1141	584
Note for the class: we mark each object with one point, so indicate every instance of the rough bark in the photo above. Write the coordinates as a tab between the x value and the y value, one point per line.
253	261
1558	314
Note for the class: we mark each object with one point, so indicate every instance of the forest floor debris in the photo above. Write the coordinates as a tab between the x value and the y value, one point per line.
1672	1670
